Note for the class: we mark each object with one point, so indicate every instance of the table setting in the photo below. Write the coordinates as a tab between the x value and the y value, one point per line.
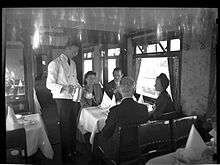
36	136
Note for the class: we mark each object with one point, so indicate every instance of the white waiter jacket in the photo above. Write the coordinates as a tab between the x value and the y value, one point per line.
60	73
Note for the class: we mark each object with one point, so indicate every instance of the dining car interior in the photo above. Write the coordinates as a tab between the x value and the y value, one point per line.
110	85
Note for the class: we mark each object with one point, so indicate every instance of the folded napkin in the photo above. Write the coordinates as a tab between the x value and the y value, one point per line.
113	101
78	93
106	101
134	98
194	147
36	103
213	134
141	99
11	120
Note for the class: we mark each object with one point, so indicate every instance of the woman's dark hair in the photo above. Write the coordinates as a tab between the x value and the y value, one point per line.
88	74
164	80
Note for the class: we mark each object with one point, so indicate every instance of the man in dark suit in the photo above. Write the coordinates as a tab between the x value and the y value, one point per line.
112	87
129	112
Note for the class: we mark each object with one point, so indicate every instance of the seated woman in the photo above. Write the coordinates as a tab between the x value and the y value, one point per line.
164	103
92	91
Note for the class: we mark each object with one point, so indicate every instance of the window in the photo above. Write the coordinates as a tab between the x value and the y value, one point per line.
87	62
152	48
175	45
111	67
150	68
112	60
151	60
87	66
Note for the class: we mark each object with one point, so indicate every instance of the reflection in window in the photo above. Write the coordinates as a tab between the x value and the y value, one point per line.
149	69
175	45
111	67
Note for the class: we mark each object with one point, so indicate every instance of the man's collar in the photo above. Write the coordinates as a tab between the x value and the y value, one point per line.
125	98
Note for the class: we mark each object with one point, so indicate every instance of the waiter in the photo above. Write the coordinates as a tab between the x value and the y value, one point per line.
64	86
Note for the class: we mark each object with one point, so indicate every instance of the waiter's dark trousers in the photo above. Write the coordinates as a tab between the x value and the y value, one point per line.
67	112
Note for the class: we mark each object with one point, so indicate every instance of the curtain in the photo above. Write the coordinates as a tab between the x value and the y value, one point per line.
137	68
174	71
211	108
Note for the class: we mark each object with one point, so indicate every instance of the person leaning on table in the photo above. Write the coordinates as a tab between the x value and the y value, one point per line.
64	86
164	103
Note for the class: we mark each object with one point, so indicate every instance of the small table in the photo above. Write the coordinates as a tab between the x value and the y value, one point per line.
36	136
92	119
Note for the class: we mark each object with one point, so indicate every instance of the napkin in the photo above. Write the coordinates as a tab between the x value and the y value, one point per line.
213	134
141	99
11	120
195	140
78	93
106	101
194	147
113	101
134	98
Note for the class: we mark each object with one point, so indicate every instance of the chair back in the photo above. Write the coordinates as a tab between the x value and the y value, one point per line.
16	148
128	145
181	130
123	147
154	137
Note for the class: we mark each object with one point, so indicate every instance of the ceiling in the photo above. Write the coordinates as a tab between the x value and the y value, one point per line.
59	21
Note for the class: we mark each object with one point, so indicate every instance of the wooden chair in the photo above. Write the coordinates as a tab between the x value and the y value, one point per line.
16	148
181	128
124	147
155	138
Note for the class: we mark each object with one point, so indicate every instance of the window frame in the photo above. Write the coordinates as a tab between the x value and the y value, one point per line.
86	58
105	59
170	36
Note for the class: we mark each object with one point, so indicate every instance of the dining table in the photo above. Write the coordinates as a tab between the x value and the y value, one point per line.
36	135
92	120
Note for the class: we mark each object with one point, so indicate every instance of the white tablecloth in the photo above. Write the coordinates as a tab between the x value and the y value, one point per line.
36	135
92	119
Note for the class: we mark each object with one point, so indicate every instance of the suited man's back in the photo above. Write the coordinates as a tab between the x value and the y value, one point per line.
129	112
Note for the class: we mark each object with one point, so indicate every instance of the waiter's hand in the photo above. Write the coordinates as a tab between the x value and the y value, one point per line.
69	88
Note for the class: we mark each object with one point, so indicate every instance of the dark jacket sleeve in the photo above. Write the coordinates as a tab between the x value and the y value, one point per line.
98	93
109	89
161	104
110	125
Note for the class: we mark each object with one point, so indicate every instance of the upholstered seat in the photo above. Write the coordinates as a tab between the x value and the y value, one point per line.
154	138
124	146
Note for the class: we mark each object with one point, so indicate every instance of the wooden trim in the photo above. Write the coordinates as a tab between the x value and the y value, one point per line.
28	68
151	55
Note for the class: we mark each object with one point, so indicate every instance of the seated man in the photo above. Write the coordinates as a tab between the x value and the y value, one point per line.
112	88
164	103
129	112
